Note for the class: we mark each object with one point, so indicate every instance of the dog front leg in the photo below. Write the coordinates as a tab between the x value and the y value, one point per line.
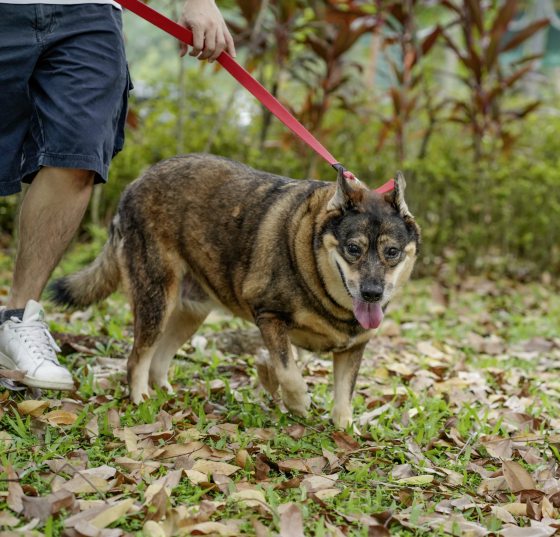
346	367
275	336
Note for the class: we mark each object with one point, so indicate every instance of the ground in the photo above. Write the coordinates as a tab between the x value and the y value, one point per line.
457	428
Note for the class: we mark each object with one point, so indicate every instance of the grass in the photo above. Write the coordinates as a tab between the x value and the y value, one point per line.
426	417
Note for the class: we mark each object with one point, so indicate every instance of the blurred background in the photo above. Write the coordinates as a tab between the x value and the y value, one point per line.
462	95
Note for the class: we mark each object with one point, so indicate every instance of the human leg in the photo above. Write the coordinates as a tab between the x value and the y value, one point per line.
50	215
73	91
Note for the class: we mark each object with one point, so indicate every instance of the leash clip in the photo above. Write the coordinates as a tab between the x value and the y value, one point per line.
341	169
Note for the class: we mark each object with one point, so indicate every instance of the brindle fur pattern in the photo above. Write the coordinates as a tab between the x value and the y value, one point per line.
196	232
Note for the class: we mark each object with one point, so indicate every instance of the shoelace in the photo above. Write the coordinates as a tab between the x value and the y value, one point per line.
38	338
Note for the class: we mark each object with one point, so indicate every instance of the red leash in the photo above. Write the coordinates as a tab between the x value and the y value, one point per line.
245	79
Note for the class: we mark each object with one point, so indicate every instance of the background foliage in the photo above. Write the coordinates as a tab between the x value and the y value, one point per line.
443	89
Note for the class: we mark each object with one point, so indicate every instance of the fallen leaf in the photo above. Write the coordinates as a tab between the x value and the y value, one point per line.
59	417
158	502
212	528
324	494
345	442
313	465
296	431
291	520
15	492
213	467
7	519
534	531
515	508
250	498
315	483
196	477
153	529
32	407
517	477
90	480
111	513
45	506
417	480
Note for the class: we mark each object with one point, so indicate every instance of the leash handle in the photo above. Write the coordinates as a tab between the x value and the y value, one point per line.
242	76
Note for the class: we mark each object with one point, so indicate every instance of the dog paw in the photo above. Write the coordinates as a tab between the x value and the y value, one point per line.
297	402
138	394
342	417
163	384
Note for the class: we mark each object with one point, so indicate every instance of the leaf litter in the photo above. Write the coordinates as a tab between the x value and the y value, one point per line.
457	432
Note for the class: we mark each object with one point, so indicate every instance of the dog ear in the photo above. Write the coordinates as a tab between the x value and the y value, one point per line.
349	192
396	196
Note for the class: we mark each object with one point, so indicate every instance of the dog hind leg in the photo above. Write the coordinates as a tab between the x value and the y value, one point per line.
153	286
181	325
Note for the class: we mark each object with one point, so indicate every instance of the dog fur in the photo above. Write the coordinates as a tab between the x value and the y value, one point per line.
309	262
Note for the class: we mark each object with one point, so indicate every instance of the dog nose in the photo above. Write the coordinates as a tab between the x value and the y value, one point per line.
372	292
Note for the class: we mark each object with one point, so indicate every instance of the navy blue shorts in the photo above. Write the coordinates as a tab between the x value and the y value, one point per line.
63	89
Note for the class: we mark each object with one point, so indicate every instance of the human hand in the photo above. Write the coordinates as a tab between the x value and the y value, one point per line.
210	33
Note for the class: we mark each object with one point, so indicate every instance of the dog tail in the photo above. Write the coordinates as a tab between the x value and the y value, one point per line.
94	282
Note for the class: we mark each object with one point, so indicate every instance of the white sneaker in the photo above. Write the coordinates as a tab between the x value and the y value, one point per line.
27	345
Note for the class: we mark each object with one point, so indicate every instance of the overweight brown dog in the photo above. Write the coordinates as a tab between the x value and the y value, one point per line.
309	262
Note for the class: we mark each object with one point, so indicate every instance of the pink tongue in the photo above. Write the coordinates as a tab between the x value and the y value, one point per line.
369	314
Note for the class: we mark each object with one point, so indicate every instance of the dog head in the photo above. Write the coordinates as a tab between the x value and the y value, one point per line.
371	242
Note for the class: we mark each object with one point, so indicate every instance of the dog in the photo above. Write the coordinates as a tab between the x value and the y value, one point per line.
311	263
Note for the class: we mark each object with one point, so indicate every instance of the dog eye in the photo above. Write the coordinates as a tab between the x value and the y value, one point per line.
353	249
391	253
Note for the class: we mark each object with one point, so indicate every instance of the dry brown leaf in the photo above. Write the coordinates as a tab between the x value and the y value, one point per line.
515	508
250	498
517	477
333	460
490	485
153	529
196	477
547	509
111	513
243	459
262	434
536	530
502	514
416	480
91	480
192	449
158	504
324	494
260	529
426	348
499	449
296	431
32	407
313	465
291	520
214	467
345	442
59	417
15	492
8	520
315	483
212	528
130	439
44	506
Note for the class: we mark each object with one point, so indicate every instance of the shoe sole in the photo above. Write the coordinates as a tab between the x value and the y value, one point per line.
6	363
